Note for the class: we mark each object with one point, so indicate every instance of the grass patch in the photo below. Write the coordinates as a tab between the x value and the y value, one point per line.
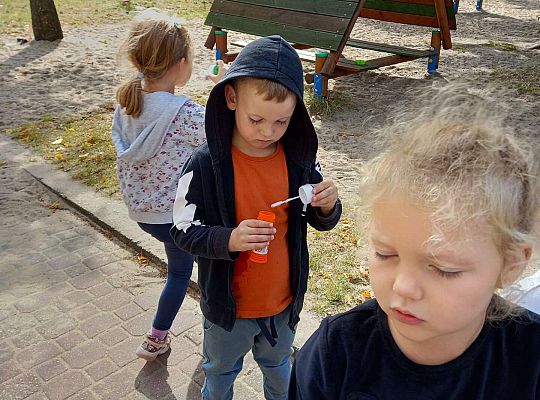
338	270
459	48
525	81
504	46
80	146
325	107
15	14
199	98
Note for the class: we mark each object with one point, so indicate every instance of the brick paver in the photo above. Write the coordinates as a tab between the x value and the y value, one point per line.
73	304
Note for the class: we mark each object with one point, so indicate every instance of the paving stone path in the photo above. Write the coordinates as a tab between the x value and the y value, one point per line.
74	304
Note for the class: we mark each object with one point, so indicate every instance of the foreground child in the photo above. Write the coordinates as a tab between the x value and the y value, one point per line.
155	131
261	148
453	200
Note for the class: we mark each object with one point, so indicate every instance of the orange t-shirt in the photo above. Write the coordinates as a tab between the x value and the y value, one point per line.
262	290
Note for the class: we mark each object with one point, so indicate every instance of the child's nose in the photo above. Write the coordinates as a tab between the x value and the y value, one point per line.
267	132
406	284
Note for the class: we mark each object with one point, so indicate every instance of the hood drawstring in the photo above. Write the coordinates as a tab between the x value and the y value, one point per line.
271	337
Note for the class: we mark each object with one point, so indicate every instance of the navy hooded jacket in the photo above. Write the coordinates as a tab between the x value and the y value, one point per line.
204	211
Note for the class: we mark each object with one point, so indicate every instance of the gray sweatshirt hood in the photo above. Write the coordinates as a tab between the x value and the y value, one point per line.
138	139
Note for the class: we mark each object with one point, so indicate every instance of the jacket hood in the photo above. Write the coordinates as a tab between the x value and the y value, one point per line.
269	58
139	139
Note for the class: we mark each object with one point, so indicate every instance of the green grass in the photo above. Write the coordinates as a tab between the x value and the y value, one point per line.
503	46
459	48
338	266
524	81
325	107
15	14
80	146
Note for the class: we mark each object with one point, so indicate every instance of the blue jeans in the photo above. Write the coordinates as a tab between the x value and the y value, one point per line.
224	356
179	268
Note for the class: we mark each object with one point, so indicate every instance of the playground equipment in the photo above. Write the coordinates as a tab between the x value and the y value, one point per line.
326	25
478	5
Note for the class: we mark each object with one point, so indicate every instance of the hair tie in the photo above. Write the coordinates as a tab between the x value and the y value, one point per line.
140	75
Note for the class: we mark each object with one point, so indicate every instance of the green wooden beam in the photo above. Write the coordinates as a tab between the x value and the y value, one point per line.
404	8
343	9
323	40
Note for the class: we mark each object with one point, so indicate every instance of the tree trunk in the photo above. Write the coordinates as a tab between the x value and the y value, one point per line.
45	22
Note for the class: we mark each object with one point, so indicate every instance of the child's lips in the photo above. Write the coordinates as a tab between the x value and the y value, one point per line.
406	317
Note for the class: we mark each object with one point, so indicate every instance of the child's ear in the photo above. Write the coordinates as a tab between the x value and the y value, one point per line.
230	97
514	265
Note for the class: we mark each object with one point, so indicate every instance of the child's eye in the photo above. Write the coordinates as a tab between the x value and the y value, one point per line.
382	256
282	122
254	121
445	274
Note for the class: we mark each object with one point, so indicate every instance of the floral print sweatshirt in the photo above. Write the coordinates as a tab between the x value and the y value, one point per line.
151	151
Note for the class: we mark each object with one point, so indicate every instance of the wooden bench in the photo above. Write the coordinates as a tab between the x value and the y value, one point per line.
326	25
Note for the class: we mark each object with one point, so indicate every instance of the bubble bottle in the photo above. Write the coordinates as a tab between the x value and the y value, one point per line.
261	255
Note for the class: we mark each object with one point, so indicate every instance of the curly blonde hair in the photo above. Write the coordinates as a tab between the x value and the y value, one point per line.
155	43
455	156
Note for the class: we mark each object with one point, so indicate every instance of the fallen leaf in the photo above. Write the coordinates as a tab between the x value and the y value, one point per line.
57	141
59	156
52	206
142	259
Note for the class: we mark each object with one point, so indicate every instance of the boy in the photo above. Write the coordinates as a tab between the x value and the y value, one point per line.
261	148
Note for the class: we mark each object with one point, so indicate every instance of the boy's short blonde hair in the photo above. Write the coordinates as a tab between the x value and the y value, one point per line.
455	156
271	90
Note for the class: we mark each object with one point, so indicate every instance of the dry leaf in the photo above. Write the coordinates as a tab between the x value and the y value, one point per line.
57	141
142	259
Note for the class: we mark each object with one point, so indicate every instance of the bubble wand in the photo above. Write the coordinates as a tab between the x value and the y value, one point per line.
305	194
278	203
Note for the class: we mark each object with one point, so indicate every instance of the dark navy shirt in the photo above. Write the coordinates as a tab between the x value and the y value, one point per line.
352	356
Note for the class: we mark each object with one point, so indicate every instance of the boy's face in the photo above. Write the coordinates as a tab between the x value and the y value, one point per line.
435	297
259	123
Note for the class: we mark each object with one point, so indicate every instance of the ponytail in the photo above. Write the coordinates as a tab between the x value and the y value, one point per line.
129	96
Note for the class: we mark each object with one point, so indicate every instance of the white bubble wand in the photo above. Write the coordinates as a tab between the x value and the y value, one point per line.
305	194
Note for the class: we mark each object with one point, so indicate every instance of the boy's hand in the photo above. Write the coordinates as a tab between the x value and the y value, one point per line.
325	195
251	234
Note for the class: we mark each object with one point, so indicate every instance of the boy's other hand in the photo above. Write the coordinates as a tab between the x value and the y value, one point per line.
251	234
325	195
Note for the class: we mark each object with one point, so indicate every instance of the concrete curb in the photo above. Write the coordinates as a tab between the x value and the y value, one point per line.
111	215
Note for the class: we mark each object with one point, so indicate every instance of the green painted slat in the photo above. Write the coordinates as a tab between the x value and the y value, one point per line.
387	48
300	19
323	40
400	7
335	8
